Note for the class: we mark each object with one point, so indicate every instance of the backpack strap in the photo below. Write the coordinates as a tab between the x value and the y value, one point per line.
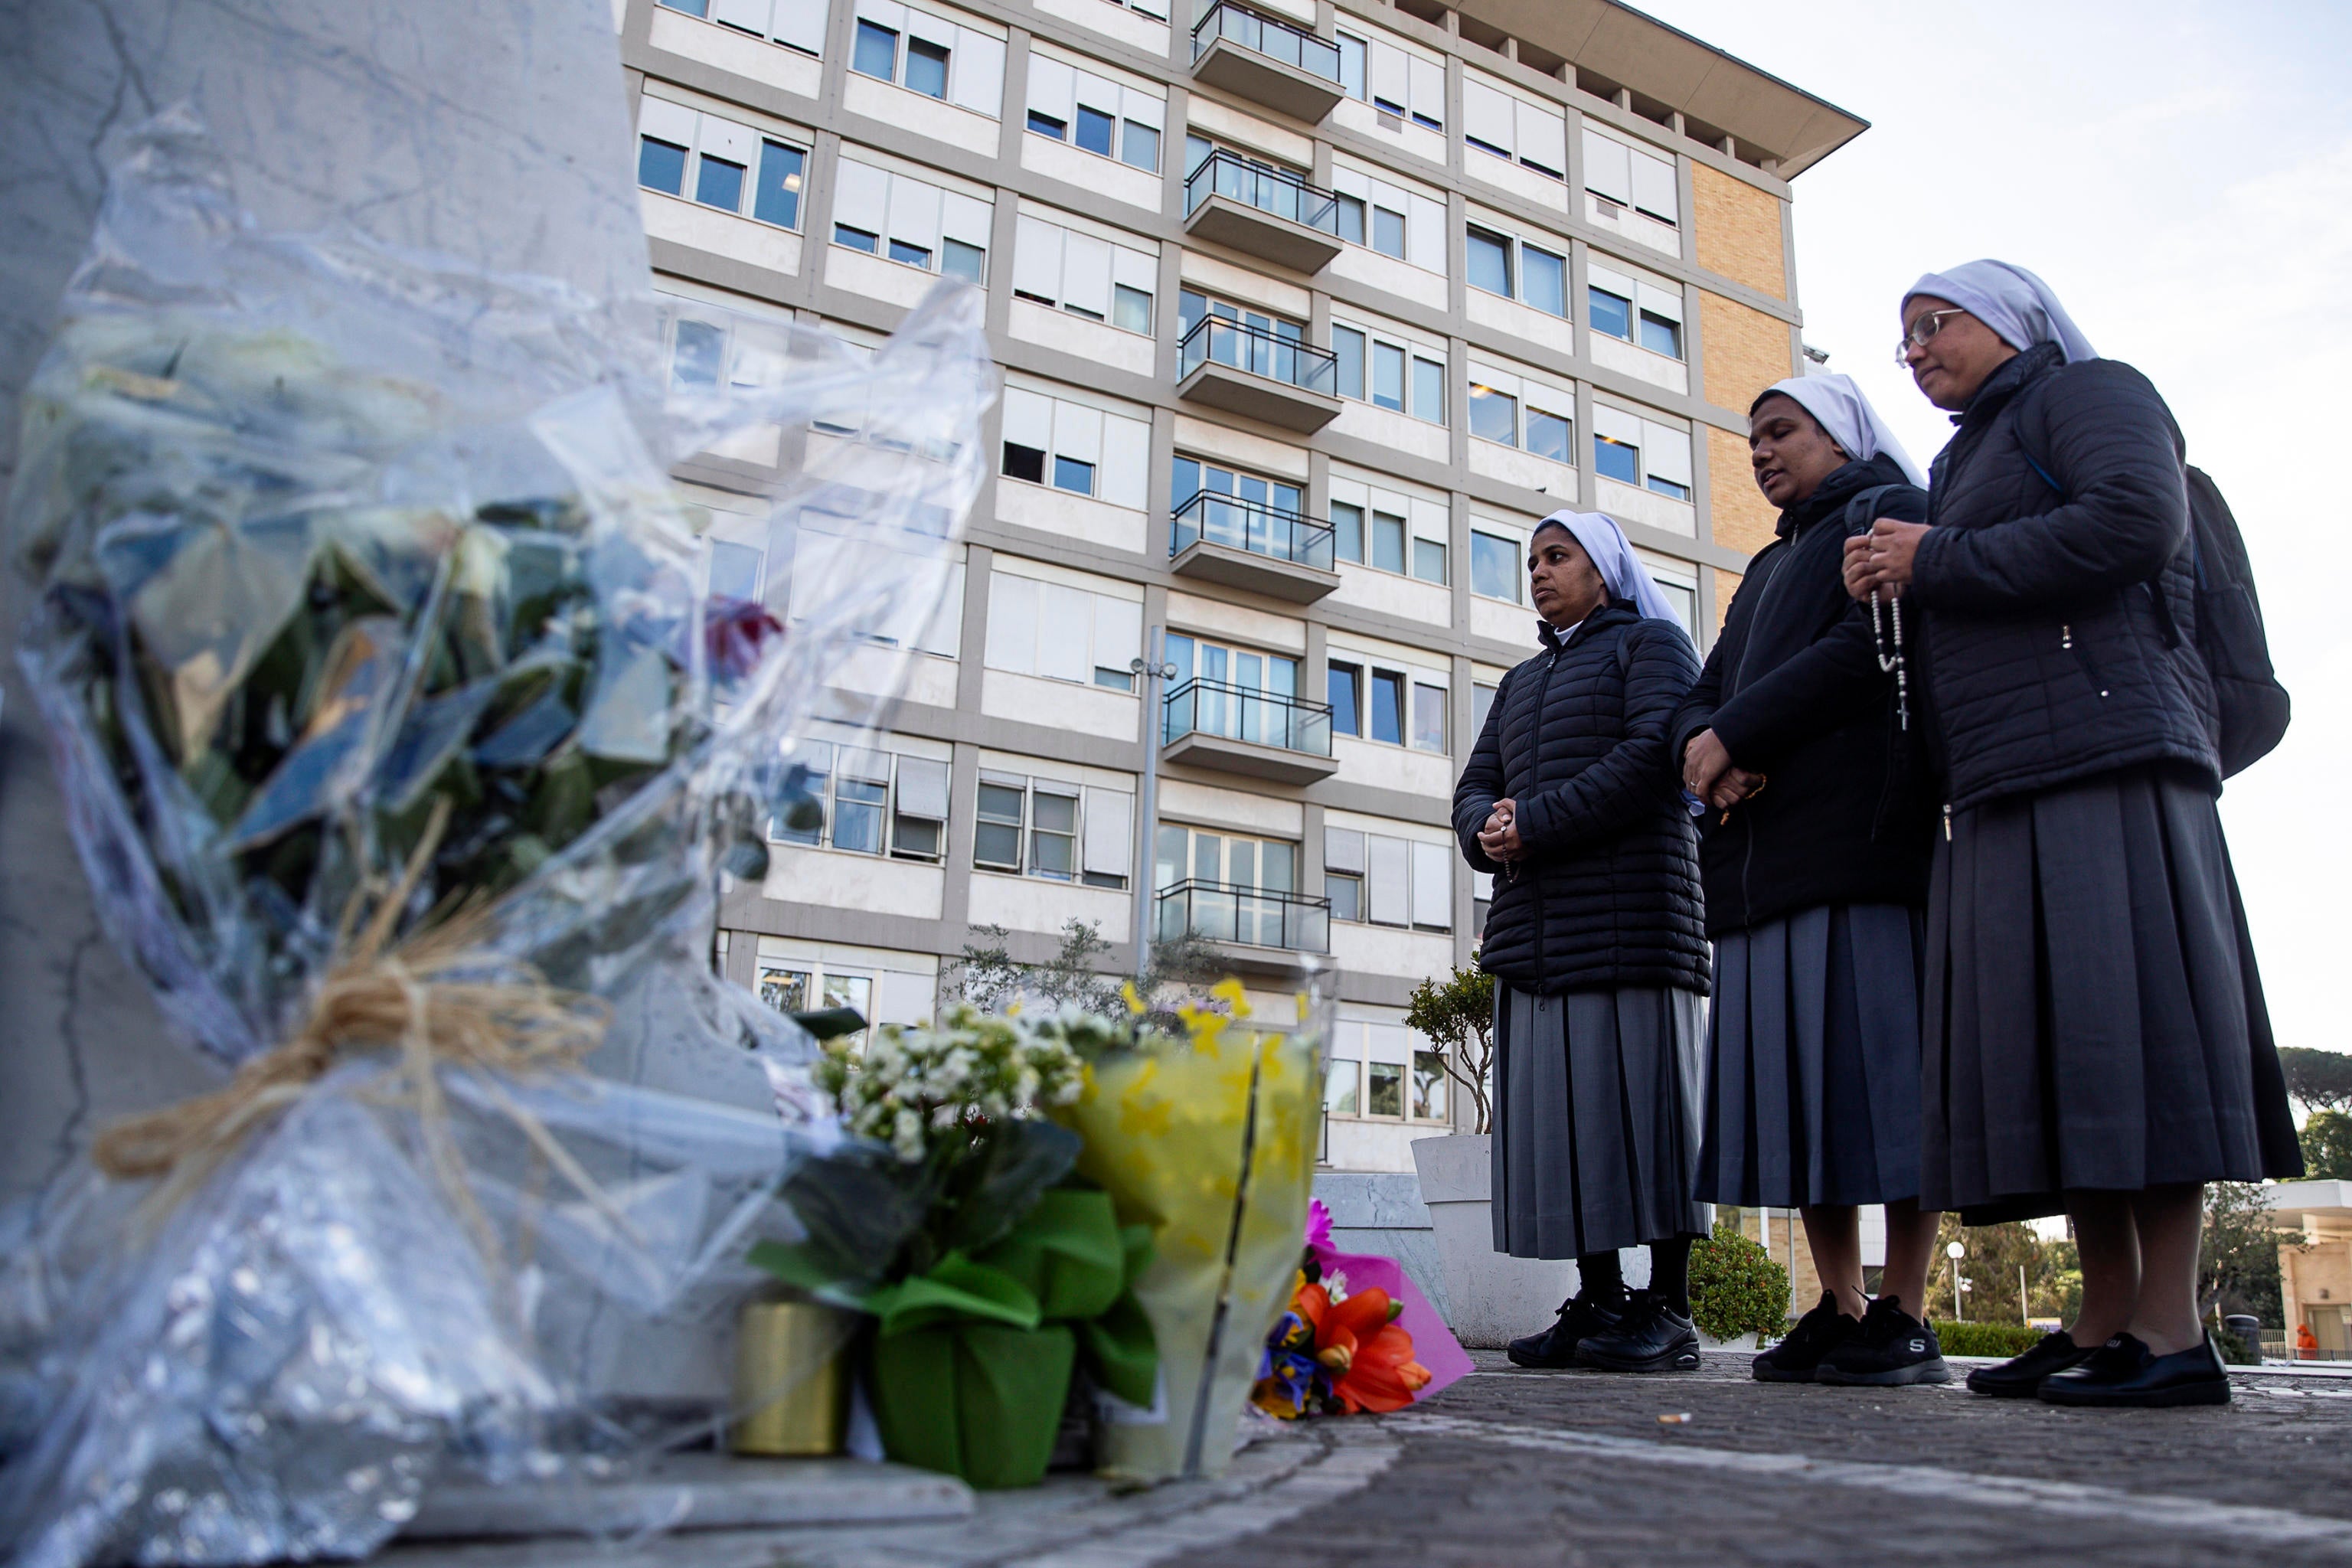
1862	509
2155	586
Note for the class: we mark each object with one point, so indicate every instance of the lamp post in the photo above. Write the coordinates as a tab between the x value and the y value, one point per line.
1150	673
1954	1251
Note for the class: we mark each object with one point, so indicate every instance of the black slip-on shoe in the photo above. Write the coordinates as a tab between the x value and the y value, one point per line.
1580	1315
1650	1337
1817	1333
1891	1348
2124	1374
2020	1377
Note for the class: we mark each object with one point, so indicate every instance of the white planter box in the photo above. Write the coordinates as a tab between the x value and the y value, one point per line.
1491	1297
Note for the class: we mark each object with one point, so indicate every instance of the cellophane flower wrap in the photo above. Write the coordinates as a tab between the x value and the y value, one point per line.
405	751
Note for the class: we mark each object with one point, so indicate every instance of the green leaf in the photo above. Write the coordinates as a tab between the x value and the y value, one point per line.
804	1270
1066	1251
1013	1162
958	1288
1121	1350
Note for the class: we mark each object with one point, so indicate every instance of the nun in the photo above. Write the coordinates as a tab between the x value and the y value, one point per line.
1814	849
2096	1040
1597	946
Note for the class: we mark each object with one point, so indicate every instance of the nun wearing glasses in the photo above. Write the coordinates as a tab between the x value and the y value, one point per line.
1597	946
2095	1039
1797	739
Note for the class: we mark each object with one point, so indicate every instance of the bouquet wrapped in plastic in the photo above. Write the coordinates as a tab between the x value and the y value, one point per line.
404	750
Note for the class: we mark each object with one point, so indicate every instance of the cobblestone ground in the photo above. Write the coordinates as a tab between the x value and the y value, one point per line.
1510	1468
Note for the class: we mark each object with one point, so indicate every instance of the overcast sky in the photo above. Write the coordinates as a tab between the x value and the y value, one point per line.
2182	173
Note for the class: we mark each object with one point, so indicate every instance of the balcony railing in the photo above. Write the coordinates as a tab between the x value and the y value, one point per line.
1254	917
1276	533
1260	353
1202	707
1286	195
1275	40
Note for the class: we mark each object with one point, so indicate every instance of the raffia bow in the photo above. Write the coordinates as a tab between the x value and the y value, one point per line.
424	996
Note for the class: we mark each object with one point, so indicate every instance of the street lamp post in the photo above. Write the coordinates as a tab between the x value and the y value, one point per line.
1150	673
1954	1251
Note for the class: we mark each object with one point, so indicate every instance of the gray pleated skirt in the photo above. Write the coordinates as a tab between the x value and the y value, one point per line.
2095	1018
1812	1092
1596	1119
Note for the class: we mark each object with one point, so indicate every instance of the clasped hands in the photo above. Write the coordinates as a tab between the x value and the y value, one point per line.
1881	559
1500	837
1709	772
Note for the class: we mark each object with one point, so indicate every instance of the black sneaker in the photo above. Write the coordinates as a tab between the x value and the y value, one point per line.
2124	1374
1579	1316
1890	1348
1817	1333
1650	1337
2020	1377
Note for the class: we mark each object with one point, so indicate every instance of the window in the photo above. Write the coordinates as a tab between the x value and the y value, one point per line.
1347	531
1352	74
1482	702
1490	262
1637	451
1397	881
1396	221
876	52
1679	581
1428	390
929	54
1341	1084
1109	452
1389	531
1387	1096
1388	542
1404	377
1429	560
696	358
1514	410
1504	264
1494	568
875	802
1636	308
1228	507
1428	1086
1096	115
1548	435
1388	707
1400	84
1343	685
1182	854
912	221
1060	831
1057	632
1543	280
1388	376
1494	416
1242	694
1503	125
734	571
1623	175
796	24
712	161
1428	718
927	67
1084	274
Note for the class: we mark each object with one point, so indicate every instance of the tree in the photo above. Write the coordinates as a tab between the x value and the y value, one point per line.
2327	1146
2321	1080
987	975
2238	1264
1994	1254
1457	1013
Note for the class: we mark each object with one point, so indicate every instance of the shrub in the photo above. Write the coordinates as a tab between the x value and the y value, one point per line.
2235	1350
1736	1287
2002	1339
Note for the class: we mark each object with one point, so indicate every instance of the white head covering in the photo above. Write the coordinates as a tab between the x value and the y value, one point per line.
1621	571
2012	301
1838	404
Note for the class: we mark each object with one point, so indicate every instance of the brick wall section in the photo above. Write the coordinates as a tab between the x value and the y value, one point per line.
1743	518
1739	230
1743	352
1726	584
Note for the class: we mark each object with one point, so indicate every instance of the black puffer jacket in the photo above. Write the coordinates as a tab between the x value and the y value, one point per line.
1608	892
2059	638
1794	690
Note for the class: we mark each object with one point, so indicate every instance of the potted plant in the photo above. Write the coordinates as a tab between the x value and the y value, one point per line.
1490	1296
1738	1293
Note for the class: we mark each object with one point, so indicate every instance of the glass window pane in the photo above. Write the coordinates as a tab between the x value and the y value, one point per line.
1056	812
691	7
786	990
1429	1086
1347	531
1130	309
1069	474
856	238
1668	488
876	52
1387	1097
997	844
1388	542
719	183
1046	125
1544	279
1094	130
915	837
1428	390
661	165
1167	855
1547	435
1612	313
1429	718
1197	149
1340	683
910	255
927	67
1388	707
1139	144
1342	1084
1347	896
1351	219
1352	65
1482	702
1616	460
1190	308
1429	560
1490	262
960	258
701	346
1494	567
1388	376
1494	416
1660	336
857	816
1348	348
778	198
1023	463
1388	232
734	571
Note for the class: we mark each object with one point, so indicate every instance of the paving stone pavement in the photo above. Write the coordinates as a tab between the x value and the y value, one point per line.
1510	1468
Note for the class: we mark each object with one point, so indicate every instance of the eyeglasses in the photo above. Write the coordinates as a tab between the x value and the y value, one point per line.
1929	324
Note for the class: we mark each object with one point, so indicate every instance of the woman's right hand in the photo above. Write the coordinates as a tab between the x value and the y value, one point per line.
1736	786
1705	760
1500	837
1858	574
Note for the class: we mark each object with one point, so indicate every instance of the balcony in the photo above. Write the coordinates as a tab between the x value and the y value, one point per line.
1260	926
1251	546
1239	730
1267	213
1267	62
1258	374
